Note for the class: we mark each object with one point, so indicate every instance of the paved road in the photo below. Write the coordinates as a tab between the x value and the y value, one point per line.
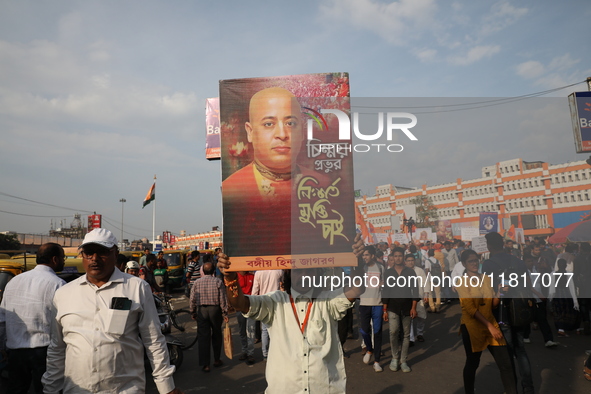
437	365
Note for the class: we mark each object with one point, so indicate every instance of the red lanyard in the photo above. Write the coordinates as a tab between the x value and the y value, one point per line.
295	313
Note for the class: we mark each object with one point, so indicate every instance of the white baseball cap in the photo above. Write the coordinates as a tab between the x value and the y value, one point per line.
100	236
132	265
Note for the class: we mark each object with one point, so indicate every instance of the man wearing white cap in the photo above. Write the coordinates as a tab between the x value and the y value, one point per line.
103	322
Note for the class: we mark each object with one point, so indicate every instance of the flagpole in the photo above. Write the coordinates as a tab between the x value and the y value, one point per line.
154	217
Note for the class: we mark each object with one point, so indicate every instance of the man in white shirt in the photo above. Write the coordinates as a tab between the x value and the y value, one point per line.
306	356
25	319
103	322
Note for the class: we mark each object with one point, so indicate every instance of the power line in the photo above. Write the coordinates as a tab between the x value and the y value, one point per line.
476	104
34	216
43	203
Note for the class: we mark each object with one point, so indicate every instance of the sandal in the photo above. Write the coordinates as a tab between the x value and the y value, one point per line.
205	368
587	373
218	363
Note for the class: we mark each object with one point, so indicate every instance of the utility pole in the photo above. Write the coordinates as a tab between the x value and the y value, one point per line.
122	201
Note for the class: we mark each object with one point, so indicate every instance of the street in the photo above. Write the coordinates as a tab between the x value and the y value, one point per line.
436	365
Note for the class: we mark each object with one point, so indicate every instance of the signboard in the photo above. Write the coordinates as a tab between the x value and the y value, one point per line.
422	234
212	128
94	221
479	245
401	238
580	112
489	222
468	233
287	172
519	236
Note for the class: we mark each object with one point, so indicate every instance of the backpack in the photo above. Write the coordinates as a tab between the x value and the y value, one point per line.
435	267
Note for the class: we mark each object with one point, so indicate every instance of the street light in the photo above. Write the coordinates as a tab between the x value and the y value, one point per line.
122	201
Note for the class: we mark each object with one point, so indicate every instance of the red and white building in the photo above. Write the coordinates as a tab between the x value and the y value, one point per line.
539	197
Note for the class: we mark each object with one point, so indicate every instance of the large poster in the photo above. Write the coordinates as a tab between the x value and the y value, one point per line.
489	222
212	128
287	172
444	230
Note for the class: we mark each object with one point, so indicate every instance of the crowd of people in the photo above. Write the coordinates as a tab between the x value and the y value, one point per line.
110	318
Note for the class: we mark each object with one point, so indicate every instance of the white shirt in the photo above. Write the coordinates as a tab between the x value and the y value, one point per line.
266	281
25	312
98	349
306	363
451	259
425	288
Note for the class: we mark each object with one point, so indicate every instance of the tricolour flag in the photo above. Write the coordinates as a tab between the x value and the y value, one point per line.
150	196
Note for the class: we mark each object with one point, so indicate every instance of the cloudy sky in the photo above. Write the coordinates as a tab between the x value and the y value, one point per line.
96	97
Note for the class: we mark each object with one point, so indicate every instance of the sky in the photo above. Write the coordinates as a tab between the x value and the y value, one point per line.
97	97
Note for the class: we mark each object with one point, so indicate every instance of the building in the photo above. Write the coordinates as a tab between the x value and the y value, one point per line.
539	197
209	240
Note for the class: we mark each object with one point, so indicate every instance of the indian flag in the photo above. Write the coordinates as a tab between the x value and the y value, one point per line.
150	196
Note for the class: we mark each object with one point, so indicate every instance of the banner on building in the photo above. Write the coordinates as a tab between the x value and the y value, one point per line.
580	111
287	177
95	221
489	222
212	128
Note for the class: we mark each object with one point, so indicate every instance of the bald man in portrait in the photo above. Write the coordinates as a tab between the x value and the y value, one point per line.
258	197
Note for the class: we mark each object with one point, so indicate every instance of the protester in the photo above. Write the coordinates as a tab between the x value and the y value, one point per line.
209	307
563	297
246	326
25	319
479	329
370	308
305	357
541	306
265	282
499	263
582	277
417	326
434	270
400	307
105	319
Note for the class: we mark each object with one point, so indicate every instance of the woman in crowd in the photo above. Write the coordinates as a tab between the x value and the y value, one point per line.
565	305
479	328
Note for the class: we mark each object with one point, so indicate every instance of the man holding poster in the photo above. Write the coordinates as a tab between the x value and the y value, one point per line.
279	213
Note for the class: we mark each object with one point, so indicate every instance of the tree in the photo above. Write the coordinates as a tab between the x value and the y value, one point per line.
9	242
426	211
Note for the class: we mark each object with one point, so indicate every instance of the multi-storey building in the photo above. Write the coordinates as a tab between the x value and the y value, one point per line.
211	239
539	197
